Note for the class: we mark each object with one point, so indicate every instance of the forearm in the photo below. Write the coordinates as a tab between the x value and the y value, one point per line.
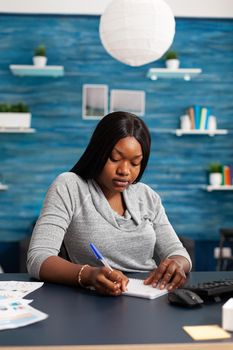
57	270
182	261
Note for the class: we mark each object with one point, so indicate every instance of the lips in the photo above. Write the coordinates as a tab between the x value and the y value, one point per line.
120	182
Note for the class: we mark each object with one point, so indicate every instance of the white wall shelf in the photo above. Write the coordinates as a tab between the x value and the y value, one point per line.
180	132
165	73
211	188
17	130
32	70
3	187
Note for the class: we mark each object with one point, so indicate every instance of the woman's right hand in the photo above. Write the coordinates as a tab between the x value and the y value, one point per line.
104	280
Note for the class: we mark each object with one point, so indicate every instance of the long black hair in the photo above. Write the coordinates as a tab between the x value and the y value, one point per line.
113	127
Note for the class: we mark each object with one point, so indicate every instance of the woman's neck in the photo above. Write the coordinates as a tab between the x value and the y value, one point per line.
117	203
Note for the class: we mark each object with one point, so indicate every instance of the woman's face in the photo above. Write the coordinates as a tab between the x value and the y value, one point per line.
122	167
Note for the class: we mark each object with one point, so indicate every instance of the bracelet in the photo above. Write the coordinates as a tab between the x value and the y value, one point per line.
80	275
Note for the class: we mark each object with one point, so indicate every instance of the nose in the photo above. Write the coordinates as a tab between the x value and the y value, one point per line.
123	169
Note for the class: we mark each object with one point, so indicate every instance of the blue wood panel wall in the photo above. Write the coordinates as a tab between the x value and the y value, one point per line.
177	167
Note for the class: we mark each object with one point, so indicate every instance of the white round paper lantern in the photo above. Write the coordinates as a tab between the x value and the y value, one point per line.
137	32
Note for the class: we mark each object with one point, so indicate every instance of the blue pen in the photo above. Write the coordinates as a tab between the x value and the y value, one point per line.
99	256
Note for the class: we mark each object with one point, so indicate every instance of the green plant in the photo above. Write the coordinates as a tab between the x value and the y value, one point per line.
171	55
215	168
14	108
40	50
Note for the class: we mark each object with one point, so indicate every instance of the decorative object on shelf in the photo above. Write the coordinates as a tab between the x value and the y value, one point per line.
137	32
215	174
212	123
201	118
185	122
171	60
181	73
14	116
227	174
198	121
39	58
31	70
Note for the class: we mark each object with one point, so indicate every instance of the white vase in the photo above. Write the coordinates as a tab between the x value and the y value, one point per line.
215	179
39	61
185	122
173	63
15	120
212	123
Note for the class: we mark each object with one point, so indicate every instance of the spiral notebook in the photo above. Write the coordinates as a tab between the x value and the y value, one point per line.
136	288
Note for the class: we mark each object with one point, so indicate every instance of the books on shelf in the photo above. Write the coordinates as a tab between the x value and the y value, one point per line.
221	176
201	118
227	175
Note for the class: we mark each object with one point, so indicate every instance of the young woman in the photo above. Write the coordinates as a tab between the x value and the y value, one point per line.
101	201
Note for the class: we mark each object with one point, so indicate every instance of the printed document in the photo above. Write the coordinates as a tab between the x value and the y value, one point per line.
14	310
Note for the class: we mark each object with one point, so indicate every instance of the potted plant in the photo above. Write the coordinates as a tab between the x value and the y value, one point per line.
172	60
39	58
14	115
215	174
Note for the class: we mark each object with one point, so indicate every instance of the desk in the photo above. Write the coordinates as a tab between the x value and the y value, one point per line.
78	318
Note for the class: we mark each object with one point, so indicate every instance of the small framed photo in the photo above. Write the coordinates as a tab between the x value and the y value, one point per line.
132	101
95	101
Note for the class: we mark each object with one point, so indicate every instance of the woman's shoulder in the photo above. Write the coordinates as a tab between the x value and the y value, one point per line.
142	190
68	177
145	198
70	180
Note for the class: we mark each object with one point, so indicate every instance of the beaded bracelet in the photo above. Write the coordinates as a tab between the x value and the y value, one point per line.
80	275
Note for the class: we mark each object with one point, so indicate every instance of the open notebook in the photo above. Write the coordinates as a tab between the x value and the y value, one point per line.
136	288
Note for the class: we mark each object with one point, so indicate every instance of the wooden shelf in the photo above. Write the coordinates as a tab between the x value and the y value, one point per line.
32	70
17	130
211	188
180	132
180	73
3	187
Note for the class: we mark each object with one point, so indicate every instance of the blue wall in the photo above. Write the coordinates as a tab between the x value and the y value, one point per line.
177	168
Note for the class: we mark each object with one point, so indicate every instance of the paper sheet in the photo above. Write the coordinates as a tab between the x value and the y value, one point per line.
206	332
18	313
19	288
14	310
137	288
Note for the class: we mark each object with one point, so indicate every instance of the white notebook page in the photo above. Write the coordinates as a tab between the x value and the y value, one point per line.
137	288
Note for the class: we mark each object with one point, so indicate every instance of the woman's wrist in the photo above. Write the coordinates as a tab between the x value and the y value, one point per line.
182	261
84	276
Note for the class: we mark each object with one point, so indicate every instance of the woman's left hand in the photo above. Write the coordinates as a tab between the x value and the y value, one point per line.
169	274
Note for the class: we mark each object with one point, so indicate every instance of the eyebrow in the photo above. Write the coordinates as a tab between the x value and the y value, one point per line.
121	153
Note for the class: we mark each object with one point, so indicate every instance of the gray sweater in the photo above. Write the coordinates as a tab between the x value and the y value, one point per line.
77	212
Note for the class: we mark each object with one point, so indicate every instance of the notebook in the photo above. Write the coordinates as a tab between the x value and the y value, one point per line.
136	288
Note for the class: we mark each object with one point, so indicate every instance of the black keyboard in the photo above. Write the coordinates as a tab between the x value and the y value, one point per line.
211	289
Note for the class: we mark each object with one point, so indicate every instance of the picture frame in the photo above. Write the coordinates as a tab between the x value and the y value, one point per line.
94	101
132	101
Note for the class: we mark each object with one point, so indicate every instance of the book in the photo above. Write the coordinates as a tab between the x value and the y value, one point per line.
226	175
204	115
137	288
197	116
190	112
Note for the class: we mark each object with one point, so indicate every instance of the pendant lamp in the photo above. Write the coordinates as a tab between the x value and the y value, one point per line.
137	32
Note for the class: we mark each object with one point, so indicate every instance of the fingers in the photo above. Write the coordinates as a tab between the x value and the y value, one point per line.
169	274
110	282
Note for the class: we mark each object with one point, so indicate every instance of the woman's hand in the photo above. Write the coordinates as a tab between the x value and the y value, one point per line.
169	274
104	280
